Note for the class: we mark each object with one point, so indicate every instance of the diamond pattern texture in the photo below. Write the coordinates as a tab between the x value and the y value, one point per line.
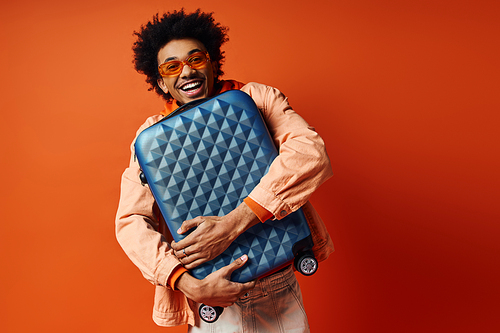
205	161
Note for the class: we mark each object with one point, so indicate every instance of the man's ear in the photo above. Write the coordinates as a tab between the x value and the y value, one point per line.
162	85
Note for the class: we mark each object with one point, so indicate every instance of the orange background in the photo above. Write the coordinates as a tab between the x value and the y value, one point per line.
405	94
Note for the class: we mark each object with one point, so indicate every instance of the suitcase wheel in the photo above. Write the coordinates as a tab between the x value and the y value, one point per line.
306	263
210	314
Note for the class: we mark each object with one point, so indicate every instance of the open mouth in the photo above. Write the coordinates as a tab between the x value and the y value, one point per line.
191	87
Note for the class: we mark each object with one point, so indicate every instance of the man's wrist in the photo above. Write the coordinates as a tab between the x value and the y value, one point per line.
245	217
188	285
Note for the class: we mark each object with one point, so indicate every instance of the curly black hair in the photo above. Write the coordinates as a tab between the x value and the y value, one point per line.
176	25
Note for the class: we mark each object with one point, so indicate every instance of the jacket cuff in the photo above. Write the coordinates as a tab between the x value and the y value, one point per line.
262	213
165	269
277	207
176	273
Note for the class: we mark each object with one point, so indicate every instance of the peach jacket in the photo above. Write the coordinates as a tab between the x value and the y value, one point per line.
301	167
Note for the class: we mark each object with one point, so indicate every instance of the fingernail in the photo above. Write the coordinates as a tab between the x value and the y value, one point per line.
179	230
244	257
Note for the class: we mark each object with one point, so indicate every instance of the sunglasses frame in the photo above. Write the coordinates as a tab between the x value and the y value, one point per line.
182	64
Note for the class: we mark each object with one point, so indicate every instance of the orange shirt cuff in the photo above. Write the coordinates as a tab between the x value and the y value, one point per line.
262	213
175	275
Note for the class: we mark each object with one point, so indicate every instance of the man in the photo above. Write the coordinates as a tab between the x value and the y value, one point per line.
180	54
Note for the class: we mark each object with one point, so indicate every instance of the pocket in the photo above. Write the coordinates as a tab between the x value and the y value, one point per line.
289	307
294	289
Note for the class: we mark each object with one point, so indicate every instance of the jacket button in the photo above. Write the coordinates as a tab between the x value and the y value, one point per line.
283	213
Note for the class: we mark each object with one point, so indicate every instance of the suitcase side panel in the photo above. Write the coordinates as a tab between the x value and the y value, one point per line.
205	161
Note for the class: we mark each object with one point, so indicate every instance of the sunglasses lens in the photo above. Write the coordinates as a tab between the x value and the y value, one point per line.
170	68
197	60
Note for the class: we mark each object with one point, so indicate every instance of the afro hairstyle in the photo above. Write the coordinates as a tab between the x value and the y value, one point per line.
171	26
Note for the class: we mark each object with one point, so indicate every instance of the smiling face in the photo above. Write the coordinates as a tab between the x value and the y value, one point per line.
190	84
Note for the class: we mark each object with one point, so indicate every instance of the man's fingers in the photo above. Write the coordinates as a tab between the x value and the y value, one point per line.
236	264
183	244
249	285
189	224
185	258
182	253
177	248
193	263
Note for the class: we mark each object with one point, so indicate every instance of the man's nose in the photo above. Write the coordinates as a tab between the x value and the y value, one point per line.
186	70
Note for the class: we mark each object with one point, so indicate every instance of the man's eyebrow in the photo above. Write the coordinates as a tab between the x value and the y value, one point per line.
189	53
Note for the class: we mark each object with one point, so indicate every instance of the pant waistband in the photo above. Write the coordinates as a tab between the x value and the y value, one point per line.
275	281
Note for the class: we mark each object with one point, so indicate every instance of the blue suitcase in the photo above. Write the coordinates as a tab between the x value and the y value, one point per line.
203	160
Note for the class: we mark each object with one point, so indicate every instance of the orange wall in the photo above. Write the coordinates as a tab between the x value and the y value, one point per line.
405	93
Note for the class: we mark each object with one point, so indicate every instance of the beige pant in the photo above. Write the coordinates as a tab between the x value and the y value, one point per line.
274	305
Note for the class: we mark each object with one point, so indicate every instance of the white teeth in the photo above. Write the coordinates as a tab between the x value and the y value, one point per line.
191	86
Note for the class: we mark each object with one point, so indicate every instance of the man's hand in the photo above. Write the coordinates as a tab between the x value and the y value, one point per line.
212	236
215	289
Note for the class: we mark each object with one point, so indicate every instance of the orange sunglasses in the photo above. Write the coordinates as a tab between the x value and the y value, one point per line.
174	67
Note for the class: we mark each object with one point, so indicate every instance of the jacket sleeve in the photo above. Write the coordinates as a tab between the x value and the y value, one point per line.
137	227
302	164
